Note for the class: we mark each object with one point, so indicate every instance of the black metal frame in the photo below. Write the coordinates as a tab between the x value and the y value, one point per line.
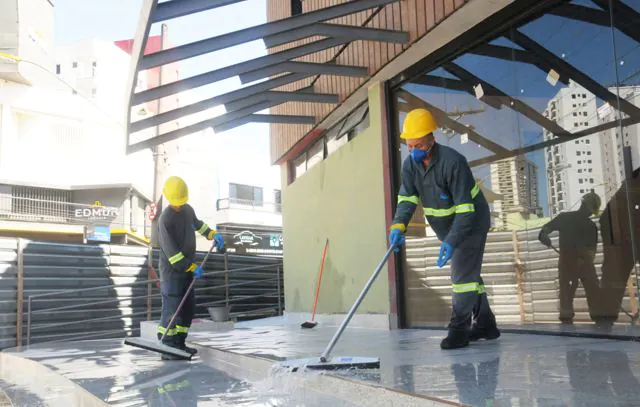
257	96
533	54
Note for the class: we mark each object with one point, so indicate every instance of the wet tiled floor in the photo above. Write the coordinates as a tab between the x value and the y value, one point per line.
515	370
125	376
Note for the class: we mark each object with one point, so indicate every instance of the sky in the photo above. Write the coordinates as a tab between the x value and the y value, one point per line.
112	20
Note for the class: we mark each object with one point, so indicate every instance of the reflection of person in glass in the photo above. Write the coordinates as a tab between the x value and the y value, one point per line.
458	213
618	243
602	378
578	245
477	387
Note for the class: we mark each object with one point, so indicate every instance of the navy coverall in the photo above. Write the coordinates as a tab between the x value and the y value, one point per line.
459	214
178	249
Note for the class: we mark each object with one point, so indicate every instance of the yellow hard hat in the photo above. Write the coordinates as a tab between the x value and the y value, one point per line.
417	124
176	191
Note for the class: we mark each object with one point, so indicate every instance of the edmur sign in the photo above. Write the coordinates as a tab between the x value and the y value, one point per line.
97	211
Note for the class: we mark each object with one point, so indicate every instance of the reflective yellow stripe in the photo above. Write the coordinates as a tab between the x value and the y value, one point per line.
475	191
170	332
439	213
465	208
176	258
203	228
182	329
468	288
413	199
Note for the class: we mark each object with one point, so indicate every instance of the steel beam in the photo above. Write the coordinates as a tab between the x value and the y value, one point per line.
185	131
265	118
233	70
625	18
445	121
305	67
440	82
337	30
176	114
552	142
564	68
178	8
582	13
254	33
505	100
283	97
512	54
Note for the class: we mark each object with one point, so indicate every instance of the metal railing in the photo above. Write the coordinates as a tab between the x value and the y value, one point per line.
229	298
247	204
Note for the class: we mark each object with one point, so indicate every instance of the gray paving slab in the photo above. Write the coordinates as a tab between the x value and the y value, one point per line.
125	376
515	370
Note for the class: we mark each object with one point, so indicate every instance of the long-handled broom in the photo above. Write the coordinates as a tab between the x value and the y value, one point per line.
158	346
324	362
313	323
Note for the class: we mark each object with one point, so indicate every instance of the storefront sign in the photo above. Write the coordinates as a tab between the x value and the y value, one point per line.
247	238
98	233
96	212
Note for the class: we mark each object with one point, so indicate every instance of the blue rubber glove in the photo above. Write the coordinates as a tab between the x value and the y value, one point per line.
396	238
446	251
219	241
197	273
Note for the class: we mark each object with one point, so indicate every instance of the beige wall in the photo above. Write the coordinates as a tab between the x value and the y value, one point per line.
342	199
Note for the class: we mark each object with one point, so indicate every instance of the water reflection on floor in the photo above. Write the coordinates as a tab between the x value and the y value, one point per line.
125	376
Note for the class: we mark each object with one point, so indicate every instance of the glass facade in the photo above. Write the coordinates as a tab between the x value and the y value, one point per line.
547	114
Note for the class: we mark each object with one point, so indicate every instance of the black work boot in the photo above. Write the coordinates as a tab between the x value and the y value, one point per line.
188	349
488	332
457	338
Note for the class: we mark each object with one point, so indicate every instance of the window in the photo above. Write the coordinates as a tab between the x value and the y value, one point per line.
296	7
74	64
245	193
58	69
575	114
277	199
591	180
587	141
94	92
315	154
589	161
573	96
299	165
580	181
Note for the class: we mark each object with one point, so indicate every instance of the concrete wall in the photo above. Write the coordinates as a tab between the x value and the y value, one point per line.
342	199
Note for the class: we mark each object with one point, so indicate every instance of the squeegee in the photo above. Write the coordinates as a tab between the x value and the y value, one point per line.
325	362
158	346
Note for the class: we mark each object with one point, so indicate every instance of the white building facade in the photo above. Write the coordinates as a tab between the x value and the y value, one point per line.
516	180
573	168
613	141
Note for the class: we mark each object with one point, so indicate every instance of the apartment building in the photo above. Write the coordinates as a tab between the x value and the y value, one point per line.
614	143
516	180
573	168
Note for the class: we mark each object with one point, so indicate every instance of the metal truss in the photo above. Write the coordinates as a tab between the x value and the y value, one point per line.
243	104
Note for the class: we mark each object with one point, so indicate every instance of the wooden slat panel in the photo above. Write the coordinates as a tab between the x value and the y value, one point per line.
449	6
439	10
415	16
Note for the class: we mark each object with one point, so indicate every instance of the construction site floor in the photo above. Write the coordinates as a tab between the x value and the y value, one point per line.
515	370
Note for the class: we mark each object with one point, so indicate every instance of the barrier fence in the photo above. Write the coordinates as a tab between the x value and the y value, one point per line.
60	292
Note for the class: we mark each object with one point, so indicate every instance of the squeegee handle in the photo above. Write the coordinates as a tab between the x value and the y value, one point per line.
186	294
355	306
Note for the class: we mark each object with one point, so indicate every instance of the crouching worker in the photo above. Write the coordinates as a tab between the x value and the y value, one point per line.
458	213
176	231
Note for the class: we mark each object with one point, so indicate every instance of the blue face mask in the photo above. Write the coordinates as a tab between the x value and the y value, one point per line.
419	155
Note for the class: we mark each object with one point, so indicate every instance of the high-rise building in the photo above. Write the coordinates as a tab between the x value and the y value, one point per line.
516	179
573	168
612	142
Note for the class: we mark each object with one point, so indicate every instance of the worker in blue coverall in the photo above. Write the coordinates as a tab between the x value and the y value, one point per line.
458	213
176	230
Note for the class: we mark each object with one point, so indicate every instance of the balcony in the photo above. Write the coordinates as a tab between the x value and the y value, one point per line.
248	212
